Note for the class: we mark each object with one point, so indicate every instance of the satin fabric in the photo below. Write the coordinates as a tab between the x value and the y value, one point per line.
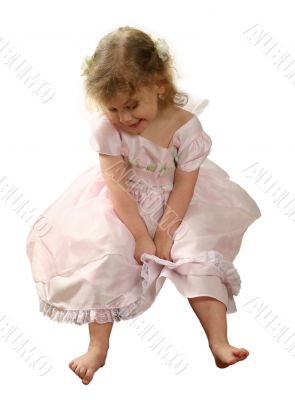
82	255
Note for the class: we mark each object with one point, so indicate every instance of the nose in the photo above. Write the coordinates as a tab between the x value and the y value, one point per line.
125	117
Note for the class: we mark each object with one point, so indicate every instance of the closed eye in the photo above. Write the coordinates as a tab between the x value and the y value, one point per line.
130	107
134	106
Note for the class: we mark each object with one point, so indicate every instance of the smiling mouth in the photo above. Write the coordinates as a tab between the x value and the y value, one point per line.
135	125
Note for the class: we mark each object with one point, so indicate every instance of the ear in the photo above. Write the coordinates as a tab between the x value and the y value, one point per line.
161	86
160	83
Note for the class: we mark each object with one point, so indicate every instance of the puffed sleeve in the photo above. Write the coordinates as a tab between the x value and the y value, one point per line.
194	145
104	138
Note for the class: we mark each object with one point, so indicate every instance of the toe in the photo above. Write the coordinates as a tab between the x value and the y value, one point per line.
244	354
73	365
241	352
82	372
88	377
77	370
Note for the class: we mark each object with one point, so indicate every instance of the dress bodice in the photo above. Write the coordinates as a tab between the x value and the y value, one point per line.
188	148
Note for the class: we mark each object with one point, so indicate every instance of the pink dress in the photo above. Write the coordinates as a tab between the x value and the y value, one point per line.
82	254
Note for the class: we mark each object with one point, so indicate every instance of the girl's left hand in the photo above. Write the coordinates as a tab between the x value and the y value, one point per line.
163	242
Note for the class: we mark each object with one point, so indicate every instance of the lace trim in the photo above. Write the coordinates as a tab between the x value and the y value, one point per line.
80	317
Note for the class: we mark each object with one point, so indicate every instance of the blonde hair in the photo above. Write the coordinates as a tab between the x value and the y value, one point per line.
125	60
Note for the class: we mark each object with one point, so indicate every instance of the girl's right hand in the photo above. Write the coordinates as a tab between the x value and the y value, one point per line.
144	244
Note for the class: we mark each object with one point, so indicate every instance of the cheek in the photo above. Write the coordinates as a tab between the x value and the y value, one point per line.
111	117
145	110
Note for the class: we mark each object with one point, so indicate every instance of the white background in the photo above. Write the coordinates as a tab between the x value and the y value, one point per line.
44	147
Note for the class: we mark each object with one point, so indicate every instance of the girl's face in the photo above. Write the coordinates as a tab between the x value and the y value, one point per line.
134	114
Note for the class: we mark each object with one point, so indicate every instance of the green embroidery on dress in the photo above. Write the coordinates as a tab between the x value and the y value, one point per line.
170	167
132	162
151	167
167	169
162	170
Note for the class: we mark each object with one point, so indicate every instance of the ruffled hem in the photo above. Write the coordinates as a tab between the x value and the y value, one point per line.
79	317
210	263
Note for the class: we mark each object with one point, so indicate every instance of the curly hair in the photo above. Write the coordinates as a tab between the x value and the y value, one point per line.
125	60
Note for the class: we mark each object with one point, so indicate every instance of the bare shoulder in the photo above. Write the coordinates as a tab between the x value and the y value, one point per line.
181	116
166	124
184	113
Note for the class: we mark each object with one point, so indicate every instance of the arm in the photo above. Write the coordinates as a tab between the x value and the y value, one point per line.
115	176
178	202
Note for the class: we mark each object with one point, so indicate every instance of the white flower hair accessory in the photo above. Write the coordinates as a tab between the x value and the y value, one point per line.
86	64
162	48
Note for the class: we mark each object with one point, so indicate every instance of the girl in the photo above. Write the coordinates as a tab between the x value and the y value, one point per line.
154	207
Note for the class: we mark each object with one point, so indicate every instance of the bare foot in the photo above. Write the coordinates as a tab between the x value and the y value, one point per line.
86	365
226	355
